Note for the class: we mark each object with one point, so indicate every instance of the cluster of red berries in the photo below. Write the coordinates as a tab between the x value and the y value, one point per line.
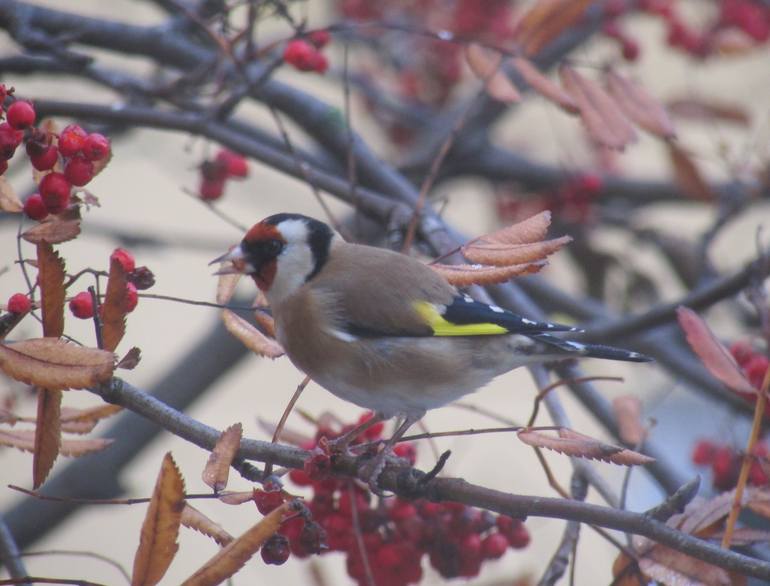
725	463
139	278
754	366
305	54
395	533
215	173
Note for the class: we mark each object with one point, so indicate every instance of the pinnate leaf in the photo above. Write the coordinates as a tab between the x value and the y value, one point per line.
572	443
250	336
543	85
24	439
53	230
50	278
47	434
217	468
194	519
115	307
465	275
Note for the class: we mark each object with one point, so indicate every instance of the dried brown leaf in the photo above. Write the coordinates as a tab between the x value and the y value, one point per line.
674	568
628	416
501	88
706	109
53	363
233	556
546	20
603	119
226	286
9	201
194	519
572	443
157	544
236	498
115	307
544	86
511	254
24	439
465	275
217	468
50	278
532	229
687	175
84	420
715	357
639	106
250	336
47	434
486	64
131	359
759	502
53	230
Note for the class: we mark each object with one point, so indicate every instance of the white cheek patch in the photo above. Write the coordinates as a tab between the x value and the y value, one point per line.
295	262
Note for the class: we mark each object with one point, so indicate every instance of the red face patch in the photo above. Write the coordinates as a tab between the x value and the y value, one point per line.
262	231
266	268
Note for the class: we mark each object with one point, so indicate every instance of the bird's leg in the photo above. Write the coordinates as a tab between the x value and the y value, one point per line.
371	470
342	442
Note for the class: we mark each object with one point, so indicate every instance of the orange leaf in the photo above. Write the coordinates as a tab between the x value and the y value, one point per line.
115	307
532	229
157	544
603	119
486	65
688	176
628	416
250	336
544	86
53	231
546	20
511	254
47	434
9	201
715	357
194	519
465	275
55	364
24	439
572	443
218	466
640	106
50	277
233	556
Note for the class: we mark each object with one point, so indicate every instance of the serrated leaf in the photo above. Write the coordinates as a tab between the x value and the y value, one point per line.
544	86
83	421
572	443
512	254
194	519
47	434
465	275
50	278
9	201
232	557
715	357
115	307
217	468
52	363
639	106
250	336
158	542
54	231
532	229
24	439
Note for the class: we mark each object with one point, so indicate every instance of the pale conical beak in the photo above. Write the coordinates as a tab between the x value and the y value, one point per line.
237	264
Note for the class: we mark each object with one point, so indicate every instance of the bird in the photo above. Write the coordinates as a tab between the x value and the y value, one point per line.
383	330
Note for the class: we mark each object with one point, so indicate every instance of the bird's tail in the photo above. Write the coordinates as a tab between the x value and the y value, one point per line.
579	349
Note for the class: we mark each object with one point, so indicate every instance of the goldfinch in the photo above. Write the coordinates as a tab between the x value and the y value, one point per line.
383	330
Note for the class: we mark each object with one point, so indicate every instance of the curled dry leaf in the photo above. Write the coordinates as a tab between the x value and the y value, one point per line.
250	336
53	231
628	416
157	543
697	108
24	439
511	254
544	86
115	306
465	275
9	201
47	434
236	498
546	20
217	468
50	278
673	568
131	359
233	556
687	175
84	420
603	119
639	106
715	357
486	64
53	363
194	519
533	229
572	443
226	286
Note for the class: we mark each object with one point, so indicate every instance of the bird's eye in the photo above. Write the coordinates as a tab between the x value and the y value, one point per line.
273	247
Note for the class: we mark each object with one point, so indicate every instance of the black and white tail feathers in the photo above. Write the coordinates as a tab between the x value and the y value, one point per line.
579	349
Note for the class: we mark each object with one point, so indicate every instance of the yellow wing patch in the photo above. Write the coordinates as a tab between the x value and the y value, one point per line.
441	327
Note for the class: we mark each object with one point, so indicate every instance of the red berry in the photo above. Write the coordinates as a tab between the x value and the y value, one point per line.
132	297
630	50
125	258
519	538
494	546
82	306
4	92
71	140
725	467
320	63
96	147
19	303
79	171
21	115
275	550
55	191
388	556
703	453
757	475
319	38
375	431
267	500
234	164
35	208
756	369
304	56
46	159
211	190
408	451
742	351
10	139
300	478
589	183
402	510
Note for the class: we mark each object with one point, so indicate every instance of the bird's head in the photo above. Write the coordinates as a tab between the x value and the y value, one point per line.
281	253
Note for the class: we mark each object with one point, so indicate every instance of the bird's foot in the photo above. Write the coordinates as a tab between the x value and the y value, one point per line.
371	469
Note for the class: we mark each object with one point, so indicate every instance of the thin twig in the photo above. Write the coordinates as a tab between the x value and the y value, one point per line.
284	416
